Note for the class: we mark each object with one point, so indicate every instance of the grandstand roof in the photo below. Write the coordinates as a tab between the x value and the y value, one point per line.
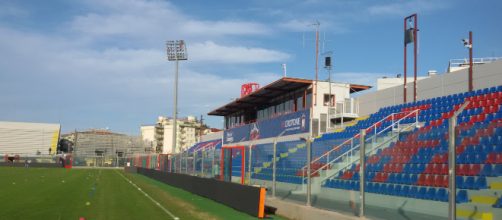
264	94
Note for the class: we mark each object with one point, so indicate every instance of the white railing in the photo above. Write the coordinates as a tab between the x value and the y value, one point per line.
351	140
461	62
379	146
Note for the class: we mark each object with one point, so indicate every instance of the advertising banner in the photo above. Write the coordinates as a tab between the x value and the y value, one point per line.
293	123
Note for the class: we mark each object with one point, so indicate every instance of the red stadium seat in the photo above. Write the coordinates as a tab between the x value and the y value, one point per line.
491	158
475	169
499	158
398	168
428	169
429	180
421	180
437	169
378	177
438	181
385	176
444	169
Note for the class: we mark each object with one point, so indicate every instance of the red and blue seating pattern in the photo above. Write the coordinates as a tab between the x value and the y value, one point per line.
416	165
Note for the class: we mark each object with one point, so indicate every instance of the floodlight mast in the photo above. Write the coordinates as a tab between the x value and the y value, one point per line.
413	39
468	44
176	51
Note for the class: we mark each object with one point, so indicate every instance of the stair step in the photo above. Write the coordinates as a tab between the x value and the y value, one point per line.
490	200
474	214
496	185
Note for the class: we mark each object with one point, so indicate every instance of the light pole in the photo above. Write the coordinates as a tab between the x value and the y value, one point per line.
468	44
327	65
176	51
410	36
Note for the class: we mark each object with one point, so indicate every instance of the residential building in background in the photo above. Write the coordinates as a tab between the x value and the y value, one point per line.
148	136
188	133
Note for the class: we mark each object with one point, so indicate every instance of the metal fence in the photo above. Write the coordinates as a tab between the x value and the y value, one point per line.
404	166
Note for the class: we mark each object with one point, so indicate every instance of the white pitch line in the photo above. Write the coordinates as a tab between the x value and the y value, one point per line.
148	196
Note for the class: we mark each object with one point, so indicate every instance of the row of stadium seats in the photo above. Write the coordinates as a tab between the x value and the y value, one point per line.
420	159
417	192
423	156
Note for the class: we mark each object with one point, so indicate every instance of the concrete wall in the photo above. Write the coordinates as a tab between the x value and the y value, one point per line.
484	76
384	83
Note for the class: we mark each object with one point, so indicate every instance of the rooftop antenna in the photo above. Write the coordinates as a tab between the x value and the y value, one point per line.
284	69
316	25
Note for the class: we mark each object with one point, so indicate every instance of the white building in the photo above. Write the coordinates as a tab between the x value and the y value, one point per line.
23	138
148	135
188	131
485	75
287	109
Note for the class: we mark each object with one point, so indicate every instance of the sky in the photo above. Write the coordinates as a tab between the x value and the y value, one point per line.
102	64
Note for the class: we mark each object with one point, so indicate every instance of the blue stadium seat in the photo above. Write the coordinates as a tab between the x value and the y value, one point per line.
469	183
462	196
405	191
498	204
431	193
441	195
369	187
481	183
422	193
460	182
390	189
413	179
487	170
498	170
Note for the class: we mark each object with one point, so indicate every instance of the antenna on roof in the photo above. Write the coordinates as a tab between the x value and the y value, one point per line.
284	69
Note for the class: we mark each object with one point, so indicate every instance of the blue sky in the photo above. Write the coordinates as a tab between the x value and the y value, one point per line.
101	64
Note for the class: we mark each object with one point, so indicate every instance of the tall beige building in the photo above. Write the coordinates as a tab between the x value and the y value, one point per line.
187	134
148	136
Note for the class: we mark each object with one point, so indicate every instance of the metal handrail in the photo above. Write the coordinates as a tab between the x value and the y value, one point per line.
357	135
374	149
353	148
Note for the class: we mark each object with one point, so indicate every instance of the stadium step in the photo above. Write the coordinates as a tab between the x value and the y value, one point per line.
483	199
496	185
474	214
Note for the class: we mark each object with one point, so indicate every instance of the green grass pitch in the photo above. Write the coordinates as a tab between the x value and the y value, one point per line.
40	193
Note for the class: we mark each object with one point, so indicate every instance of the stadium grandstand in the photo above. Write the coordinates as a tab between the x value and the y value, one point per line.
266	142
28	138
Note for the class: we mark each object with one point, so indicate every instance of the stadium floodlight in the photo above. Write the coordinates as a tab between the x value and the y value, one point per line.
176	51
468	44
328	66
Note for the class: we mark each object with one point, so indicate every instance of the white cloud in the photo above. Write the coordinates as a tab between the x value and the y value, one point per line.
224	28
157	19
297	25
67	79
210	51
406	7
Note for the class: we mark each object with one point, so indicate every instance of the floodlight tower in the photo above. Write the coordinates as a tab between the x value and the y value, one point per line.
176	51
328	66
410	36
